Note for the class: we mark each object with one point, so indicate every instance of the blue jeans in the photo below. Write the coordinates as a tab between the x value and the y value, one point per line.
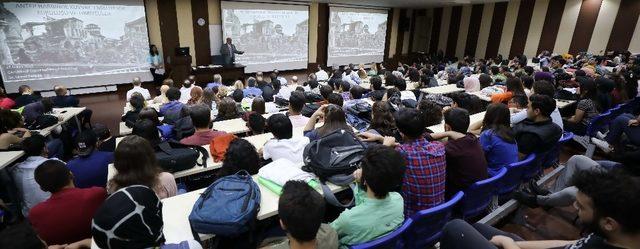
620	125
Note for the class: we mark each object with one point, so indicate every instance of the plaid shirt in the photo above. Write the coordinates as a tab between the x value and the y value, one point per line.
423	185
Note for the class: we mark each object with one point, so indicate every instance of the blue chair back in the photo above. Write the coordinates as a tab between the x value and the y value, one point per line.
566	136
477	197
427	224
598	123
512	178
393	240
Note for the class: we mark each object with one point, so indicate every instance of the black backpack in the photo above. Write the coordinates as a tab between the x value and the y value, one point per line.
42	121
172	156
183	127
309	109
336	153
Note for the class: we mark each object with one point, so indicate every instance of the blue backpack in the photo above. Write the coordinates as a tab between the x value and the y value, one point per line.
227	207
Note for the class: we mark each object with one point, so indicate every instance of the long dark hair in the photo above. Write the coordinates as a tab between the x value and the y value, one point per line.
241	155
334	119
498	119
151	50
514	85
135	161
382	119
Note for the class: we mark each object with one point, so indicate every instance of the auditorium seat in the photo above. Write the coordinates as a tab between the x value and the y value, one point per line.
478	196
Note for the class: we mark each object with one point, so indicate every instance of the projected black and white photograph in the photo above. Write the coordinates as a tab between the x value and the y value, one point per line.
267	36
356	33
52	40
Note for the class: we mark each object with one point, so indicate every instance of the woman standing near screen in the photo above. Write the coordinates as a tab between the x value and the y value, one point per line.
157	67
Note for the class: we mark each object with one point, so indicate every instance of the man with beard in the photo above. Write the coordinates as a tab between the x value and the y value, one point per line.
607	204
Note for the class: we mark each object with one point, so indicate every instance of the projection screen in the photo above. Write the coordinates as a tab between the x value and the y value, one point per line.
356	35
72	42
273	36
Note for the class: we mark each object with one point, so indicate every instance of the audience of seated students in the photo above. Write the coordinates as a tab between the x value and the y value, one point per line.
185	91
471	84
5	102
265	87
135	162
65	217
201	118
256	123
432	113
284	144
196	95
62	99
376	90
537	133
137	103
210	99
23	172
296	103
240	155
333	117
172	110
251	90
497	138
343	89
514	87
542	87
378	209
106	142
90	166
405	94
32	111
162	98
217	81
382	122
138	89
27	96
356	93
132	218
12	131
148	130
588	107
321	74
423	184
607	209
325	91
227	109
301	210
466	163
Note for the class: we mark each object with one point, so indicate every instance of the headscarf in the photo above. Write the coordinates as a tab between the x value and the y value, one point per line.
471	84
196	95
129	218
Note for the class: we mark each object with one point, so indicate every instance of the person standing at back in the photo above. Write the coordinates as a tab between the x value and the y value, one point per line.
90	166
65	217
137	88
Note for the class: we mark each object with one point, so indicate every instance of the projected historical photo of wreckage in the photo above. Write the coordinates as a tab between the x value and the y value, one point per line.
354	33
277	36
52	46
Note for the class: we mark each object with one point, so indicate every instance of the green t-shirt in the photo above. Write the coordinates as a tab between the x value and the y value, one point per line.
369	219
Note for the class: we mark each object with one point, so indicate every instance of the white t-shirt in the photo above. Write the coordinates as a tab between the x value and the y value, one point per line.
322	75
185	94
522	115
144	92
407	95
290	149
298	120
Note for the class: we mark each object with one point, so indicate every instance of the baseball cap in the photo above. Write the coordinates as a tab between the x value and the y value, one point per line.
85	142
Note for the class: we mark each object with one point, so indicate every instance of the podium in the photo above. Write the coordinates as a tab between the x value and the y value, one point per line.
204	74
180	68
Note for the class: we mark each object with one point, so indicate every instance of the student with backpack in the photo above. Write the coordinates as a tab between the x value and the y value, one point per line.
240	155
378	210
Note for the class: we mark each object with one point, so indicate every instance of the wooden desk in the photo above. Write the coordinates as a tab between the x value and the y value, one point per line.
450	88
204	74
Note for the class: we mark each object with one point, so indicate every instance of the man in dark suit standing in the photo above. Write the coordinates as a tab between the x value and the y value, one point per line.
228	51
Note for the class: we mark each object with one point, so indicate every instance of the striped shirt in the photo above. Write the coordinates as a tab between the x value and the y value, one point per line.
423	185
